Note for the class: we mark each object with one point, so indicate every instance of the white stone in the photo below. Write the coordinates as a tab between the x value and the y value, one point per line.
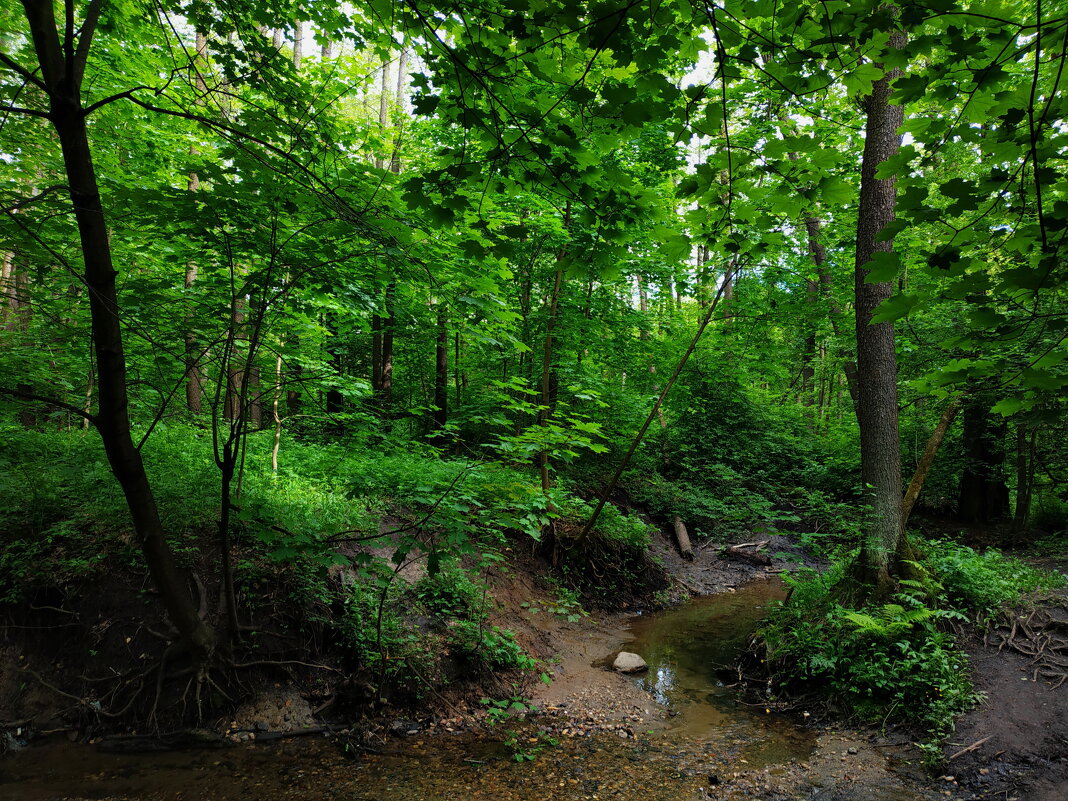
627	662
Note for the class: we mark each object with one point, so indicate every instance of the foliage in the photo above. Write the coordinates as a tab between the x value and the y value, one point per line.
896	660
888	663
983	582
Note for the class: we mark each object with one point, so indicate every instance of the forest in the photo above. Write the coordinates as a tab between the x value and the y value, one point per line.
325	327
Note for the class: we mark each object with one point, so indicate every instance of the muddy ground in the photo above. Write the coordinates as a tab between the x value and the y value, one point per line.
614	739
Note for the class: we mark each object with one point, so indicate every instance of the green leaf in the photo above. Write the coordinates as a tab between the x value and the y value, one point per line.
883	267
895	308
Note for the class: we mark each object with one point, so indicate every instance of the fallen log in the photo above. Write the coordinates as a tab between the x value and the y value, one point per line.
683	537
741	553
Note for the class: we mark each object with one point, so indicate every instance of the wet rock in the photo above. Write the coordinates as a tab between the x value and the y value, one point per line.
627	662
404	728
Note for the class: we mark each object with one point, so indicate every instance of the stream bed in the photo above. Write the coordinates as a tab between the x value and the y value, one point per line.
711	747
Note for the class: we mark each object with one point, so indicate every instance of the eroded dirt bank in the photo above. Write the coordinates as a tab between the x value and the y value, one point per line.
617	736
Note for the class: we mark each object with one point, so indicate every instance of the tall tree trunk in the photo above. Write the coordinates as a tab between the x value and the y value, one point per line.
298	44
441	374
877	413
383	110
1025	475
402	82
376	355
62	76
818	252
194	372
389	328
234	363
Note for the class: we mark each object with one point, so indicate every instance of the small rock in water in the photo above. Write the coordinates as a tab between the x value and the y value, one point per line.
627	662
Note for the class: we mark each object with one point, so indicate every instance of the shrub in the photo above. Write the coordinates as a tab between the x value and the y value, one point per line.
982	583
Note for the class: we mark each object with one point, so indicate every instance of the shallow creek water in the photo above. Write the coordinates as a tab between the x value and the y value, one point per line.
713	748
689	650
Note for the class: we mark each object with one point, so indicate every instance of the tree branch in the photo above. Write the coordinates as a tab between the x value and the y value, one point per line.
32	396
19	110
85	40
15	67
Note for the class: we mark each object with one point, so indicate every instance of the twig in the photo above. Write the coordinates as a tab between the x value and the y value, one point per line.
969	749
281	662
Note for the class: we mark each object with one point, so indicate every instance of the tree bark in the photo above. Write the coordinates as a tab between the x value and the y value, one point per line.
441	374
877	412
62	75
929	453
1025	476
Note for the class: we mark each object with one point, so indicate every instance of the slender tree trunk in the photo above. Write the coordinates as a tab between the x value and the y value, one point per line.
62	75
826	285
547	379
376	355
383	111
1025	476
877	413
456	373
194	372
441	373
402	82
275	415
924	466
298	44
388	332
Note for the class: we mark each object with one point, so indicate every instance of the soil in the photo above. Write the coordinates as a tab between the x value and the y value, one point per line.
615	739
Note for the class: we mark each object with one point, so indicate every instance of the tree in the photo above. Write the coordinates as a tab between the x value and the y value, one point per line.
877	412
61	62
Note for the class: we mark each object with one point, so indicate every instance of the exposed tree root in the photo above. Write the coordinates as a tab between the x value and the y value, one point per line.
1037	635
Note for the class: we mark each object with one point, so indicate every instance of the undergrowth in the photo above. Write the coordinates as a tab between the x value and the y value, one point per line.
897	661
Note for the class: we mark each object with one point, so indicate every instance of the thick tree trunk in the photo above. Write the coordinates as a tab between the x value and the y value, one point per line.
877	412
61	74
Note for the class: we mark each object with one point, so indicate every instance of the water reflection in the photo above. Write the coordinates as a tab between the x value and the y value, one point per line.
689	650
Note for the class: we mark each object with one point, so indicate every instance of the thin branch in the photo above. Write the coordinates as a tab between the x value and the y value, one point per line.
14	66
27	111
31	396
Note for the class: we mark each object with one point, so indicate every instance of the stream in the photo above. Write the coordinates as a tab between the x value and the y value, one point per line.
711	747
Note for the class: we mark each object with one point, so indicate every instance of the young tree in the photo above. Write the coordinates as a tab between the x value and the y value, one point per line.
61	52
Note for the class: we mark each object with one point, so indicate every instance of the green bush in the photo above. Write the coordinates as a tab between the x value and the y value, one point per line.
886	663
982	583
898	660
